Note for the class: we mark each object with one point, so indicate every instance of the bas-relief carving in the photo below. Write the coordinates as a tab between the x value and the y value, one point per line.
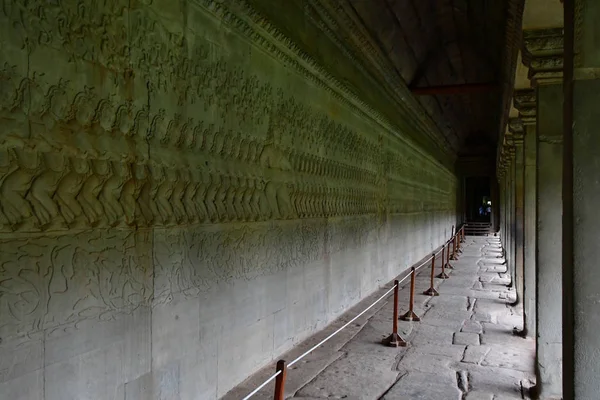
198	259
51	284
248	181
193	166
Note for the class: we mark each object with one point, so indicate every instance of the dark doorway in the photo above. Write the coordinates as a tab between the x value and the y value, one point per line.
478	199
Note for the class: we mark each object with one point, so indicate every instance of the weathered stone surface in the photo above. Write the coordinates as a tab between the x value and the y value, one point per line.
495	380
416	360
430	367
511	358
453	352
355	374
185	195
477	395
423	386
472	326
474	354
466	338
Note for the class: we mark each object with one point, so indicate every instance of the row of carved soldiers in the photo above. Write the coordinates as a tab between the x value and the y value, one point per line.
54	194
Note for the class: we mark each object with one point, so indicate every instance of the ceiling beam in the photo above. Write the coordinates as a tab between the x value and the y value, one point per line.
454	89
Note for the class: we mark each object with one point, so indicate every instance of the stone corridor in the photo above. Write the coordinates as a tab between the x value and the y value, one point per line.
463	347
192	190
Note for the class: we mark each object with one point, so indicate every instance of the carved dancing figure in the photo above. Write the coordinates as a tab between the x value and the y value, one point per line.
190	193
260	203
43	188
146	199
7	166
69	187
55	106
255	201
239	198
83	106
88	196
277	193
199	204
15	186
211	193
164	193
111	192
124	120
105	116
248	212
299	199
182	180
131	192
229	199
220	198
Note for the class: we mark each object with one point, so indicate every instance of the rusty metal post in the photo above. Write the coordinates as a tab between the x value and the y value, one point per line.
280	380
456	246
443	274
453	256
463	234
444	254
395	340
431	291
410	314
447	265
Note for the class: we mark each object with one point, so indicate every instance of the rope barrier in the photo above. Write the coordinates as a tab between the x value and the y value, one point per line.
345	325
394	339
265	383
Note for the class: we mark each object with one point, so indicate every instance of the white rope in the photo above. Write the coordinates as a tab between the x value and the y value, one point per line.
345	325
423	263
340	329
261	386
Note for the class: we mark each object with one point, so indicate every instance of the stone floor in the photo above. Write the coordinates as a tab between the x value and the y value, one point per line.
463	347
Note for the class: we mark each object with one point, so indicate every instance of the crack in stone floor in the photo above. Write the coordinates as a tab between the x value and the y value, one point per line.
463	348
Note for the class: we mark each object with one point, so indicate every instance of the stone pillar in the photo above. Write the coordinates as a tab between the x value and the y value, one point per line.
501	191
505	211
516	128
494	197
505	173
581	199
544	56
511	212
524	102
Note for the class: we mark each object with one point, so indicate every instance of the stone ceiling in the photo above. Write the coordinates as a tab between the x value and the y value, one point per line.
537	14
383	50
441	43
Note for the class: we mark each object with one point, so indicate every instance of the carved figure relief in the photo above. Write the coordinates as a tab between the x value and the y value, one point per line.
215	142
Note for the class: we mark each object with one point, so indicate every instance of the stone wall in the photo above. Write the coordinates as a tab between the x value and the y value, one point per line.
185	195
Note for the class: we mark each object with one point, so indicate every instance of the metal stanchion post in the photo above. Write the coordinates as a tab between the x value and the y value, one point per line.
431	291
410	314
280	381
453	256
443	274
447	265
395	340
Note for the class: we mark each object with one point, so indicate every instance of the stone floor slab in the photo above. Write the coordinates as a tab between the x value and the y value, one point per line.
475	354
466	338
472	327
421	386
479	396
463	347
354	375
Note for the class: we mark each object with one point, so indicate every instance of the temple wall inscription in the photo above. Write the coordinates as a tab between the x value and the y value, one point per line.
185	195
